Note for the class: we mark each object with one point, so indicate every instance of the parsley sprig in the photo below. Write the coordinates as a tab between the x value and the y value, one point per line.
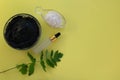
50	58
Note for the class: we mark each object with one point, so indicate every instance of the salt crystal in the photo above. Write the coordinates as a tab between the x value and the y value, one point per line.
54	19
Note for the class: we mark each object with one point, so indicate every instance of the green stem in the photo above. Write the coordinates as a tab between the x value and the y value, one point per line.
12	68
8	70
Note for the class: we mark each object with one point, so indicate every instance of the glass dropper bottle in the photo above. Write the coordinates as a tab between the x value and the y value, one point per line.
45	43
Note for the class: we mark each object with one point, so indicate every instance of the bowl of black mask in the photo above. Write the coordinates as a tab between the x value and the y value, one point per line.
22	31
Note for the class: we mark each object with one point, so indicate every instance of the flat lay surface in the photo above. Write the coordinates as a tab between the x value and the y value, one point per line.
90	40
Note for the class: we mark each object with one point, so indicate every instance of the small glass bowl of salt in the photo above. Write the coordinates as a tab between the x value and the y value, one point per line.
52	17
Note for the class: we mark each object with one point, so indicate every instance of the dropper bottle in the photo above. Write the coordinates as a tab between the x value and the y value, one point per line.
46	43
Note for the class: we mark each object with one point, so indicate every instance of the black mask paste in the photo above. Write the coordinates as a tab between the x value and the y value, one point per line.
22	31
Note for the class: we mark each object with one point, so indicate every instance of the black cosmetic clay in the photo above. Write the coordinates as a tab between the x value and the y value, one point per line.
22	31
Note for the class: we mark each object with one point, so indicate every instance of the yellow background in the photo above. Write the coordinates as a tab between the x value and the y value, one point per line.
90	40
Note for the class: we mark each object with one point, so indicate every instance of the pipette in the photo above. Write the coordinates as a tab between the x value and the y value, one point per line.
46	43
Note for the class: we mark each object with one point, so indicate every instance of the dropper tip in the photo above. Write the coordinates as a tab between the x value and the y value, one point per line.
57	34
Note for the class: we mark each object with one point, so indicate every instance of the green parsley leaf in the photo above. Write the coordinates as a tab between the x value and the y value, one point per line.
51	57
23	68
43	65
49	63
31	68
31	57
52	53
57	56
41	57
42	62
